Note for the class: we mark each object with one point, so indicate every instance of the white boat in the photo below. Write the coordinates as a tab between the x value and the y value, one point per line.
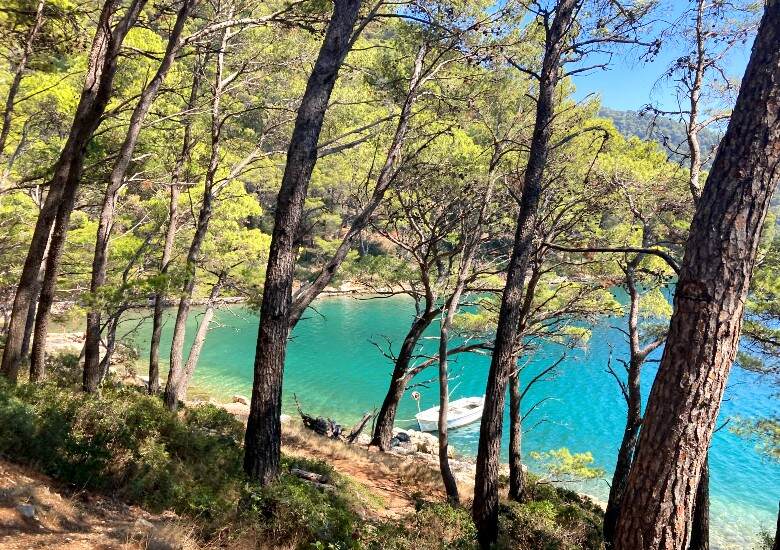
462	412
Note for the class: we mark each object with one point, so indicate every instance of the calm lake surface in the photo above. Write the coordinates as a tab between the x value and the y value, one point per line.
336	370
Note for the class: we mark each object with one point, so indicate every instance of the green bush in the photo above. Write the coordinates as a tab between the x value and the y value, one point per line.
126	442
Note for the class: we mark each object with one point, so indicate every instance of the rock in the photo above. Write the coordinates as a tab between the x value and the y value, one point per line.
27	511
285	418
403	437
240	399
142	525
363	439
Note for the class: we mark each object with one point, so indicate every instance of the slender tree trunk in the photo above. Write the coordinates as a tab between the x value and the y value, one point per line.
700	525
306	295
170	234
776	545
176	385
516	477
10	99
263	434
485	506
450	485
694	146
633	395
116	181
709	301
67	172
383	427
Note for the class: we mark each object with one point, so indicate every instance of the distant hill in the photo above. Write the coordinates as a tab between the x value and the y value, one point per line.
632	123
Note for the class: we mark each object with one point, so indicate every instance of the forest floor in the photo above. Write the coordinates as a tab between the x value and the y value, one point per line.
38	512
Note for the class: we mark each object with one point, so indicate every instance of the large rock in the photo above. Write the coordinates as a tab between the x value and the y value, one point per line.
27	511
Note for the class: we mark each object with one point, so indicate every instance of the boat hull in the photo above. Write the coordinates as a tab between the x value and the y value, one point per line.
428	420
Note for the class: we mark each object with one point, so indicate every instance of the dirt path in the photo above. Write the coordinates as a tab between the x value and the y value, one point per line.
34	513
397	481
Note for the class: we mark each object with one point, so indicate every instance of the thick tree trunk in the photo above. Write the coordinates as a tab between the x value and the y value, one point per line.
709	300
263	434
10	100
306	295
385	419
170	233
516	477
700	524
117	178
485	507
67	172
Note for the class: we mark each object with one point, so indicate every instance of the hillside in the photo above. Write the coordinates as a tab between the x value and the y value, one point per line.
661	129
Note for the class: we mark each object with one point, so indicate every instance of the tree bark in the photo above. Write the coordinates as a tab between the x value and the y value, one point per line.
516	477
700	527
170	235
306	295
10	99
385	419
709	301
263	434
116	181
485	506
450	485
776	545
67	175
176	385
633	396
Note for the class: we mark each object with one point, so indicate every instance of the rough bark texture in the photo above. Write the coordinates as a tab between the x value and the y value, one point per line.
21	65
700	528
263	434
385	419
116	181
67	176
709	300
485	507
516	477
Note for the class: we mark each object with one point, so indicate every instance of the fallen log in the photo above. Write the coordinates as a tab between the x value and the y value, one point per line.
323	426
355	432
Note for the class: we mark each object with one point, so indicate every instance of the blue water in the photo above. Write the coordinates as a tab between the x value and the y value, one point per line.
336	370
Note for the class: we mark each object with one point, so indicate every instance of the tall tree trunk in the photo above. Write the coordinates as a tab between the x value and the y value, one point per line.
633	396
263	434
10	99
118	173
776	545
709	301
95	95
450	485
516	476
170	234
385	419
700	524
485	506
306	295
176	385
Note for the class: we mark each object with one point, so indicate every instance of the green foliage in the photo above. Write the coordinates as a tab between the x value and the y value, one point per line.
127	443
562	465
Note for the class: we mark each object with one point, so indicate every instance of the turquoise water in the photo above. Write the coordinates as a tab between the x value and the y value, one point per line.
336	370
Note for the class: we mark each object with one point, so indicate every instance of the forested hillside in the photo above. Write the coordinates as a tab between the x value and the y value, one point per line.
162	161
668	132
